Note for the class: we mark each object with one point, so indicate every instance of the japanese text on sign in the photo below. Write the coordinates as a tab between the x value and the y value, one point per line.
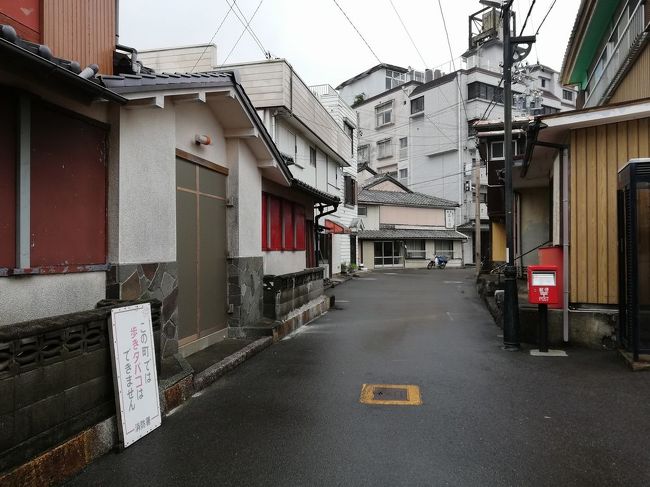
134	371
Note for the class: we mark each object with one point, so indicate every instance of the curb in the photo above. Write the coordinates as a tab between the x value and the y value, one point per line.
212	373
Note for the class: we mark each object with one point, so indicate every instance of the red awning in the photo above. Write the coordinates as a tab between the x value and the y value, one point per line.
333	227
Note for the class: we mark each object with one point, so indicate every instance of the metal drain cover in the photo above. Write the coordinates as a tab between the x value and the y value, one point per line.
389	394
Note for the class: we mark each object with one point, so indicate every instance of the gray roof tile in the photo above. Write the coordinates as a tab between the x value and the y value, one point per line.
408	234
395	198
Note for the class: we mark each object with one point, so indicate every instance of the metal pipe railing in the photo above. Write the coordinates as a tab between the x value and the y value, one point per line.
601	78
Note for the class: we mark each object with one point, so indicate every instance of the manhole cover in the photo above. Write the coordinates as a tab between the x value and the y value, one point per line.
391	394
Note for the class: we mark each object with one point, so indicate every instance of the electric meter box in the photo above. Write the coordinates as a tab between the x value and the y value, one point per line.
542	284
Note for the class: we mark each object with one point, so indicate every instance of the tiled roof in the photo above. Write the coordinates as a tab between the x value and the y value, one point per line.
394	198
408	234
131	83
378	178
469	226
43	65
322	196
433	83
371	70
364	166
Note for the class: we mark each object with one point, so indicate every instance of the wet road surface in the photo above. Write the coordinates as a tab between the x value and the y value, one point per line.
291	415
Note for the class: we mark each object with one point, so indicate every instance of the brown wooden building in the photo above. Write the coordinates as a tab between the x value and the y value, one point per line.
579	154
53	23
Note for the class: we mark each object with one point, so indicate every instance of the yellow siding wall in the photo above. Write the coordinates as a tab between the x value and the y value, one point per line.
498	242
596	155
635	85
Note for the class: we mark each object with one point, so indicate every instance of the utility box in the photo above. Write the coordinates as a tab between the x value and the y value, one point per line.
543	284
634	256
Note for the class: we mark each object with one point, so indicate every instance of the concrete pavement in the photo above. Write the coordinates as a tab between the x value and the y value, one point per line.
291	415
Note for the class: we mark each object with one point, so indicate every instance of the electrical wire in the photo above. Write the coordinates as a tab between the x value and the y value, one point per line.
213	36
530	9
545	16
460	91
424	63
243	32
250	29
357	30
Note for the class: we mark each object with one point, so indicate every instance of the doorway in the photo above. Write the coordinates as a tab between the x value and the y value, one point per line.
388	254
201	251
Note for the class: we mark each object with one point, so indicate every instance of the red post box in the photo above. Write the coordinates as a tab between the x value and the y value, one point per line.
543	284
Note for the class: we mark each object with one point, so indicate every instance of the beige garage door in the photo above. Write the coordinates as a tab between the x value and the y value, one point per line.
201	250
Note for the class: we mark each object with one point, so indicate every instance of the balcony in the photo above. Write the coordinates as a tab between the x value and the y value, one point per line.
624	41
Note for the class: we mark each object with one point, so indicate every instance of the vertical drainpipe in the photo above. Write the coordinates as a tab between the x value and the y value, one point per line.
564	166
461	170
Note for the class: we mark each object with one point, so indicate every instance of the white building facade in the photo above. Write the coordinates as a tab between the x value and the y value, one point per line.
422	132
346	215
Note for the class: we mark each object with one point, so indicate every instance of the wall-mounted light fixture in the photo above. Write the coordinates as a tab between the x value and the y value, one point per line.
202	140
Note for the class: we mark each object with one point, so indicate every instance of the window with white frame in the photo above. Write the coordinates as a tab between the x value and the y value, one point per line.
567	95
445	247
384	114
544	82
363	153
384	149
394	78
496	149
362	210
403	148
415	249
403	173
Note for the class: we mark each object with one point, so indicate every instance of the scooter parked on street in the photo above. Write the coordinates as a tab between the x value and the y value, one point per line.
438	261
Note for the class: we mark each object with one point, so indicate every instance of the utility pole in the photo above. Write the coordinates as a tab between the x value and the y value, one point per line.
477	217
511	52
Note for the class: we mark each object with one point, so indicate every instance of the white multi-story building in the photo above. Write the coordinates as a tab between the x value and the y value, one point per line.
376	80
422	132
345	116
315	145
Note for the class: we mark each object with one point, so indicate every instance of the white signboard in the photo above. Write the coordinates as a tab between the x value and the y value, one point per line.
449	218
543	278
134	372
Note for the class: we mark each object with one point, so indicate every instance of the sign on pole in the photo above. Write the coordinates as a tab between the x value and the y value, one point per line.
134	372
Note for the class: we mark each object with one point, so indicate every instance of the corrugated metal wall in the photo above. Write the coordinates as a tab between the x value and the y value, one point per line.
635	85
596	155
81	30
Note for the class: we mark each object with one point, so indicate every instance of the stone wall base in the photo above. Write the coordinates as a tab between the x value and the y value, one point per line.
302	316
279	329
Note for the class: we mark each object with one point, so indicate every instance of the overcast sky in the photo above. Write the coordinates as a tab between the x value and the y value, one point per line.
315	37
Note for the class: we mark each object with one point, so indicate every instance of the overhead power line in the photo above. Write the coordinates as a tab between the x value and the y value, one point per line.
243	32
360	35
460	91
530	9
545	16
424	63
213	36
242	19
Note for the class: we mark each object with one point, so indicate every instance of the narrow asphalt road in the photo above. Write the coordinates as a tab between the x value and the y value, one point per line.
291	416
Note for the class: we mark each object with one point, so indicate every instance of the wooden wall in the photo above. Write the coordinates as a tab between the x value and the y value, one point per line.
81	30
635	85
597	153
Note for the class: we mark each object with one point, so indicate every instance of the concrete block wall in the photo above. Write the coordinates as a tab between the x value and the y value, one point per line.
55	380
288	292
